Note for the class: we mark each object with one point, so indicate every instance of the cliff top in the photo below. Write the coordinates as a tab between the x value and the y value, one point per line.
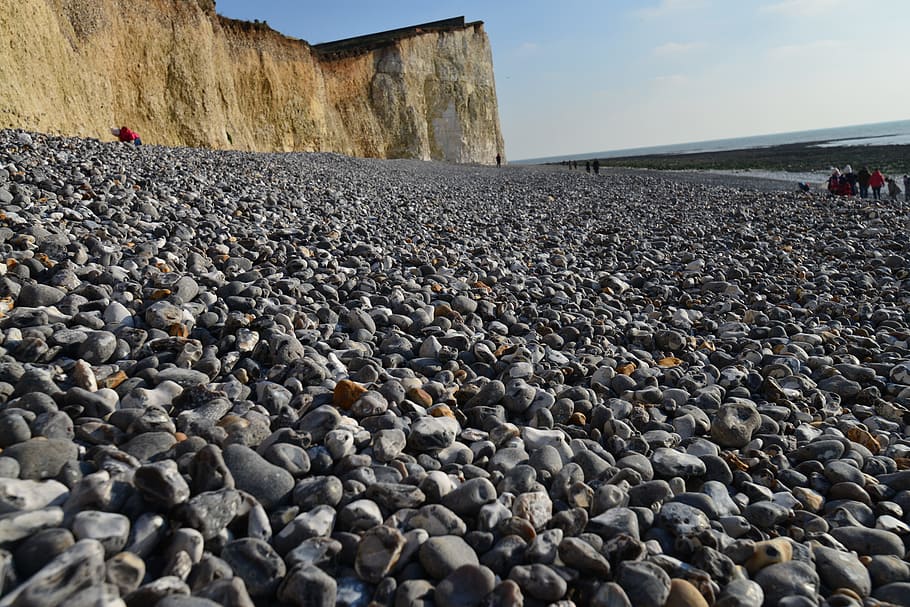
369	42
357	44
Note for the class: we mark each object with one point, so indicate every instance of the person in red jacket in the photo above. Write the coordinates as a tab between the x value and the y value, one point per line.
876	181
127	135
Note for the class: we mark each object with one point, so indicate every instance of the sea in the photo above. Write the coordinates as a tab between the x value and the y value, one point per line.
880	133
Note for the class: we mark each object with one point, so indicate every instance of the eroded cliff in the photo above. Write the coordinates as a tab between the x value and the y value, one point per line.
182	75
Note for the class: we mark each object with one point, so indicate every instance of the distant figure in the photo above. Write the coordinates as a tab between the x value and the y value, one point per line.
125	134
596	166
850	176
834	181
863	179
906	188
574	164
876	181
894	190
587	166
498	161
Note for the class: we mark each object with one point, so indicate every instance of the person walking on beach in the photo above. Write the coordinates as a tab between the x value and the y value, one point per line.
587	166
863	179
498	161
596	166
876	181
906	188
850	176
834	181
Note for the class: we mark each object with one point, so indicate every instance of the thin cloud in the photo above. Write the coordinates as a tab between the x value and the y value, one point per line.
672	79
675	48
788	51
804	8
527	49
668	7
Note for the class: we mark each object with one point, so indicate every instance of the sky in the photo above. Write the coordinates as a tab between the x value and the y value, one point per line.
582	76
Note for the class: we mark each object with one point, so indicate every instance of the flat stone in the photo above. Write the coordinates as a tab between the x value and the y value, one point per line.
539	581
583	557
42	458
869	541
111	529
378	553
782	580
78	567
19	525
19	495
617	521
252	473
442	555
838	569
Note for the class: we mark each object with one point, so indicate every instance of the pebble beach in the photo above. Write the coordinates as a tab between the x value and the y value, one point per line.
307	379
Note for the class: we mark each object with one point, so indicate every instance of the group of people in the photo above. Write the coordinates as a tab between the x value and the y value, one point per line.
589	165
848	183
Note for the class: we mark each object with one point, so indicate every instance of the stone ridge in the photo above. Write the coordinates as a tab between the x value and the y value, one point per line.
182	75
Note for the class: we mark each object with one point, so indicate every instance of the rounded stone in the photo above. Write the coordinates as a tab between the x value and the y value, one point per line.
781	580
734	424
646	584
442	555
268	483
539	581
467	586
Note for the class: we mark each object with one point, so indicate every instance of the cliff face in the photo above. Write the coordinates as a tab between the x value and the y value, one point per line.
180	74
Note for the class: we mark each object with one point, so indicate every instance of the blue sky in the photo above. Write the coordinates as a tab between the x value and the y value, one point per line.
578	76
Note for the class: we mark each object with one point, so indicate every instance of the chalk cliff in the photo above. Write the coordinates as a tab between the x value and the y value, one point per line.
181	74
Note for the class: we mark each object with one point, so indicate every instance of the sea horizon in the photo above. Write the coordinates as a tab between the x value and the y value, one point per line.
895	132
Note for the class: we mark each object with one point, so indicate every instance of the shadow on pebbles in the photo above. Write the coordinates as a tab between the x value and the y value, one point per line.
305	379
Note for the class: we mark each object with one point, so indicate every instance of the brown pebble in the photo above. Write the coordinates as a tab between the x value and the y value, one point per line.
441	410
518	526
178	330
810	500
346	393
684	594
848	592
420	396
113	380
